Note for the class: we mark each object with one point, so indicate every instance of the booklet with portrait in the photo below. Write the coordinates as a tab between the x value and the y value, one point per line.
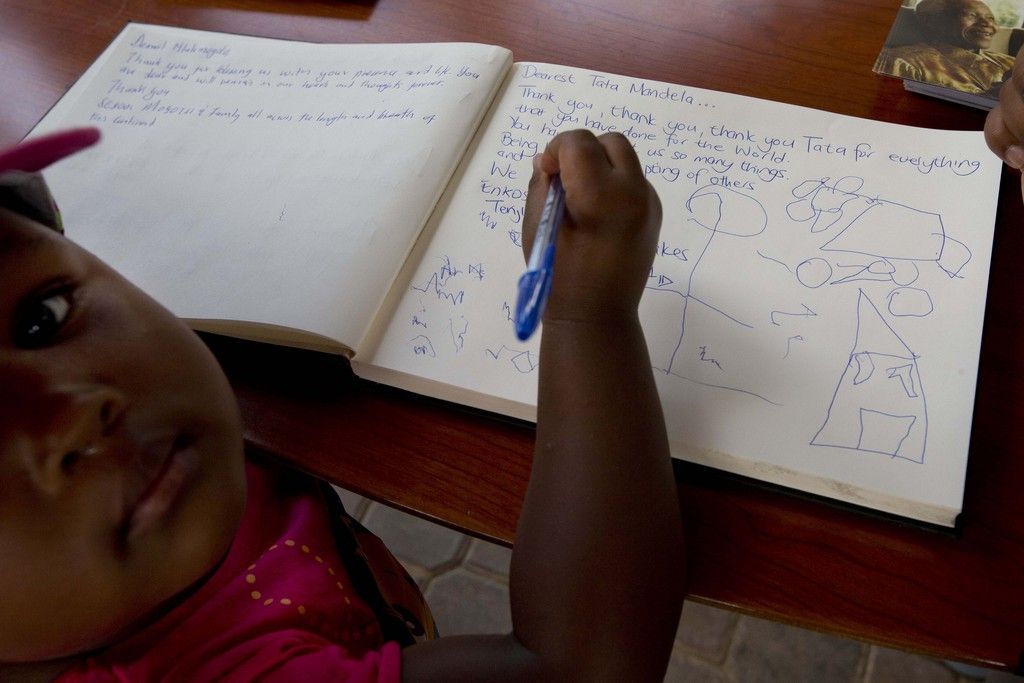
956	50
813	314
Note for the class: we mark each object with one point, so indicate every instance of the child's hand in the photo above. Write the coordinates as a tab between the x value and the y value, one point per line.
1004	127
606	243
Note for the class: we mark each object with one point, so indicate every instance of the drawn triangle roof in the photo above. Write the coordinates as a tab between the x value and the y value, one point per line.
874	334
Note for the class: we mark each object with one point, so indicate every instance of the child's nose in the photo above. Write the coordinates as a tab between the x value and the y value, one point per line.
78	424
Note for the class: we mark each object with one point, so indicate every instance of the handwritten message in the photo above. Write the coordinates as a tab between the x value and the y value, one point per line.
691	145
159	78
808	287
287	179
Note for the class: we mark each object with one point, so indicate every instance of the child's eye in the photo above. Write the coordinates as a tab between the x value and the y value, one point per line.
39	321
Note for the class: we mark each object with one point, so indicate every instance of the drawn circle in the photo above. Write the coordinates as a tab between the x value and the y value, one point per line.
910	301
814	272
881	267
905	273
723	209
849	184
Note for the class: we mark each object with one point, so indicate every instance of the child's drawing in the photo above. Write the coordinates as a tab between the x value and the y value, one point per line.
879	404
723	335
871	226
717	339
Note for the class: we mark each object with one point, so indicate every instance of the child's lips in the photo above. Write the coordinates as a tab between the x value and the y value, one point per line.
175	463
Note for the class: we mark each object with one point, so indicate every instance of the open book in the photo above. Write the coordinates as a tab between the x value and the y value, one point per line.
815	308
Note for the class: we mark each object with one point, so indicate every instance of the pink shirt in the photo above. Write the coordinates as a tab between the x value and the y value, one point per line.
279	608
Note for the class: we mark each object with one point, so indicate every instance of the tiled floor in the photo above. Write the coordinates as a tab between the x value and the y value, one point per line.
466	583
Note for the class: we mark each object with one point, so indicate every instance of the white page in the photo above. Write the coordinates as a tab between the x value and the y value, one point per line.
815	308
264	180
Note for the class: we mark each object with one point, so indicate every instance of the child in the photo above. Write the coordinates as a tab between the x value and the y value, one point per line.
141	544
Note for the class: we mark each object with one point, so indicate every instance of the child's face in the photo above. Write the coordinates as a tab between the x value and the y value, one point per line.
121	469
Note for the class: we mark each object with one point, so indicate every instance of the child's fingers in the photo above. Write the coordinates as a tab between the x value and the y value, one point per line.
535	196
586	164
626	162
545	162
620	152
581	159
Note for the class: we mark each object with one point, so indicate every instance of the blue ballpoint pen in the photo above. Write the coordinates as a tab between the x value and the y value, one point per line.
535	283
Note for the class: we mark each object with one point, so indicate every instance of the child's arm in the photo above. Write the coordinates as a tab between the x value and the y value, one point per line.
597	568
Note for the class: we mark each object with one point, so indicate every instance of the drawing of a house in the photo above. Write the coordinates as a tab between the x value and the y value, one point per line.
879	405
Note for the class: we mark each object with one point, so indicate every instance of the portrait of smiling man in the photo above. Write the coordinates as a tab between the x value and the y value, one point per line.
955	52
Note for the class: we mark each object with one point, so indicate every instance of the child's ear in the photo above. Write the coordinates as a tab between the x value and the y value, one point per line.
27	194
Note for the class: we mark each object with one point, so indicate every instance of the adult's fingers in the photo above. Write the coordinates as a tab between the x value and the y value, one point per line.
1004	126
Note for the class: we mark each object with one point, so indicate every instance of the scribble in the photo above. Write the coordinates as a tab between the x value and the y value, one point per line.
789	342
721	312
712	385
806	313
447	270
523	360
458	332
906	376
437	284
906	273
660	280
879	270
416	322
703	356
955	255
488	221
875	227
823	204
775	260
422	346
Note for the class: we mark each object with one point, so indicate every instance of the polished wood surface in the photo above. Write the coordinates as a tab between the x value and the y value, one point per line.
956	595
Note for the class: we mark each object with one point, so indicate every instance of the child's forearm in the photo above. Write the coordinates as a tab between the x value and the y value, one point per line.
597	573
597	569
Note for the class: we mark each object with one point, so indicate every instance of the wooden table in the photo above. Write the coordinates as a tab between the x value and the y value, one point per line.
750	548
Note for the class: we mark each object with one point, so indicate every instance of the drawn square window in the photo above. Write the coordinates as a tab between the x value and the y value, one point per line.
882	432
